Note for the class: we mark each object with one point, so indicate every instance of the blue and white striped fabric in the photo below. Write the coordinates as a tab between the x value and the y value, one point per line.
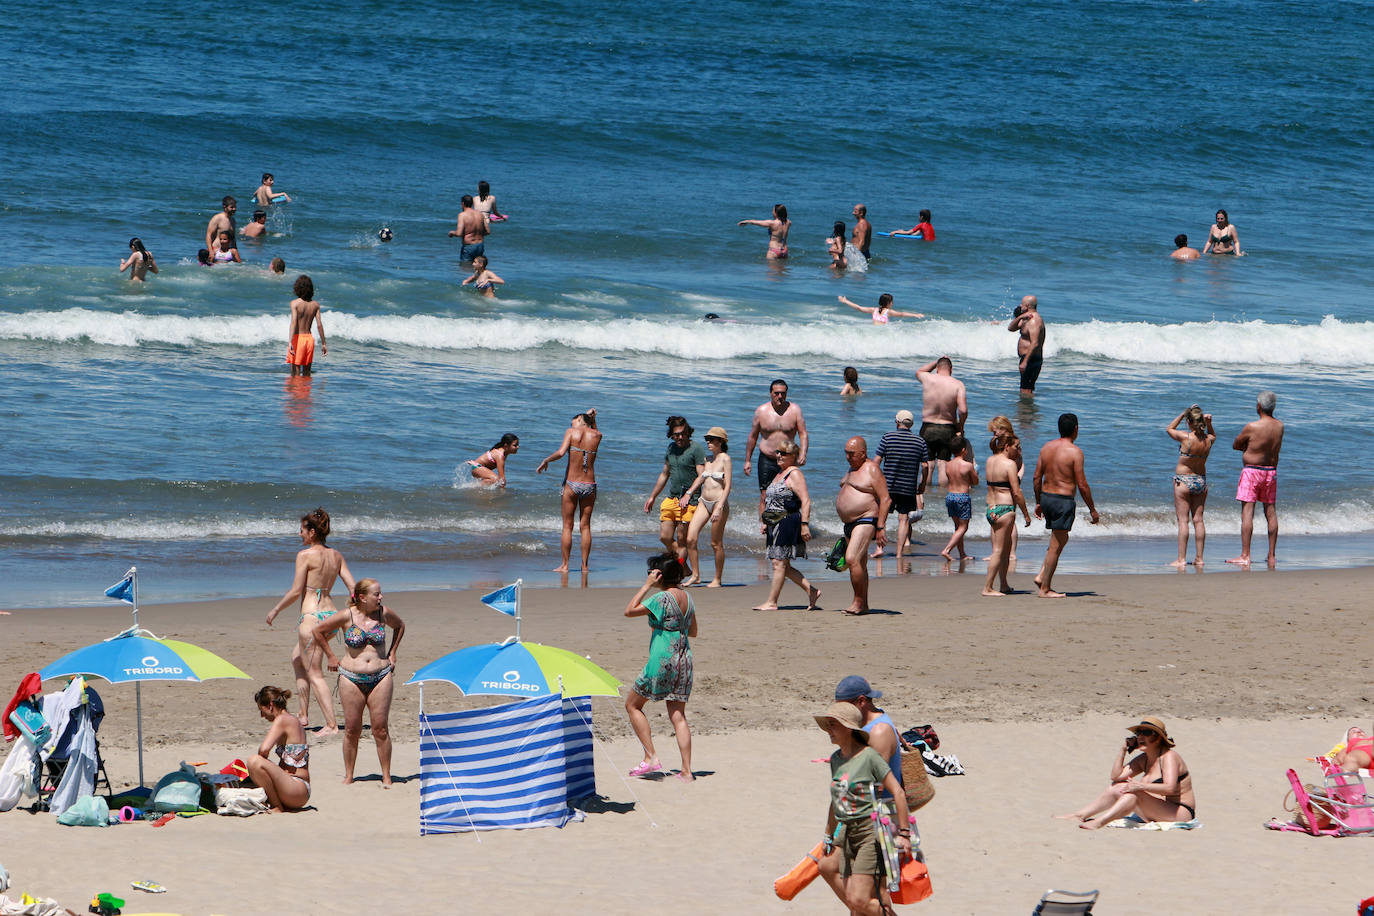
505	767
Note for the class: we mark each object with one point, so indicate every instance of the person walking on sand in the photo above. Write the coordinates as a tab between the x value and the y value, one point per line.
777	227
300	342
472	229
317	567
667	674
1190	477
714	483
1058	474
902	456
579	483
863	231
785	522
944	407
961	476
139	262
775	422
1259	443
1030	348
862	504
222	221
1002	473
683	462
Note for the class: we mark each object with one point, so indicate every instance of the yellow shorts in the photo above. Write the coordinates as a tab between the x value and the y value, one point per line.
669	511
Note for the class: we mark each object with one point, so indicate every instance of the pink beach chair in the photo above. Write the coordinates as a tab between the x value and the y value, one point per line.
1345	806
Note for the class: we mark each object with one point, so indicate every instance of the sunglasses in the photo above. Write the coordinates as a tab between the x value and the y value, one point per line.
1146	733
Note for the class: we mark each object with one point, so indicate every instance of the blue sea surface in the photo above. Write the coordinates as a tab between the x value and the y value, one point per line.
1059	145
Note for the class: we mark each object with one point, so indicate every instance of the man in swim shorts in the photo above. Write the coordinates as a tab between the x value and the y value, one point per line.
1058	473
305	311
1030	349
221	222
1259	442
862	236
775	422
862	504
944	408
472	229
902	456
683	462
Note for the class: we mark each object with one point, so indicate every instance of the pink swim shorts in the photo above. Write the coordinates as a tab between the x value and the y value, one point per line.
1258	484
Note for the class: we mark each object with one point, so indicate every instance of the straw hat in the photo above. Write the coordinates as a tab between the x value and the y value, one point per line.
1154	725
716	432
848	715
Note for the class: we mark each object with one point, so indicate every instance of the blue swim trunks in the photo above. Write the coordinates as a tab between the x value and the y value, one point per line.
471	251
959	506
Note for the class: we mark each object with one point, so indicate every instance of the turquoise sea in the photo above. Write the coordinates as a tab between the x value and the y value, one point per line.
1059	145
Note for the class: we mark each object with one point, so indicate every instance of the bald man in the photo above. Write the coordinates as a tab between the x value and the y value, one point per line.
1030	349
862	504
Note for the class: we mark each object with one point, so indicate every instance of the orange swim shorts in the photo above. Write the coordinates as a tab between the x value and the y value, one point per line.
302	352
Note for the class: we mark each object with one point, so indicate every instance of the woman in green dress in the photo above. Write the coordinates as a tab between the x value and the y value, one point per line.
668	673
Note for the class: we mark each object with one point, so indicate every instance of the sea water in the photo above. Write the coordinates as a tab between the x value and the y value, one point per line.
1059	145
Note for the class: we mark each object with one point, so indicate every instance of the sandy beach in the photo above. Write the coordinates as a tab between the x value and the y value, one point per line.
1031	695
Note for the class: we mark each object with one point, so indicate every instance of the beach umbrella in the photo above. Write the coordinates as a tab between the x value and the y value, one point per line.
138	655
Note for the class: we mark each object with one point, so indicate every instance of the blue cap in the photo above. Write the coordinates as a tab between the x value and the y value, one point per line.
853	687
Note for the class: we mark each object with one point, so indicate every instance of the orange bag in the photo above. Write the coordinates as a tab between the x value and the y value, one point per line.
915	883
806	871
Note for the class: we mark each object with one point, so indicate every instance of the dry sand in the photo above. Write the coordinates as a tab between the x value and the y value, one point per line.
1030	694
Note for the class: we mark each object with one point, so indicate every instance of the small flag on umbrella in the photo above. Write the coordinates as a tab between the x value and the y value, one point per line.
123	590
506	600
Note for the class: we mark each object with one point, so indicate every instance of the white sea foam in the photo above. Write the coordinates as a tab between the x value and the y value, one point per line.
1330	343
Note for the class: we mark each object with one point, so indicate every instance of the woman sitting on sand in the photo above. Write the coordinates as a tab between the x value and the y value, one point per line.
786	526
482	279
884	310
1004	497
490	466
286	783
667	674
1190	477
139	262
714	482
579	482
1154	785
366	678
317	566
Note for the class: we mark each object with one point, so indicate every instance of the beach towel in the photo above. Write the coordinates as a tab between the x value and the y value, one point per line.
78	778
30	685
44	906
240	802
941	764
1135	822
16	776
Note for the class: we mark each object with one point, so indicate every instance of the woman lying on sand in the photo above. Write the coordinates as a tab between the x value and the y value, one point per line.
287	783
1154	785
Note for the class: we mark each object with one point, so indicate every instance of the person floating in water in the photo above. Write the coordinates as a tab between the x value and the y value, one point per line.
264	196
922	230
883	311
300	343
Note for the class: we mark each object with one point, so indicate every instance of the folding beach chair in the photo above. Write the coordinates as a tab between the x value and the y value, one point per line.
1066	903
1343	808
92	709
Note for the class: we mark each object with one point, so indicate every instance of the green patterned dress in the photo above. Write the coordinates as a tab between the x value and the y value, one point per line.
668	673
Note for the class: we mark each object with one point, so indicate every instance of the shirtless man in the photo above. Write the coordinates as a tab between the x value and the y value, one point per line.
1030	348
863	230
776	422
305	311
777	228
1058	473
1181	250
944	408
862	504
257	227
222	221
472	229
961	475
1259	442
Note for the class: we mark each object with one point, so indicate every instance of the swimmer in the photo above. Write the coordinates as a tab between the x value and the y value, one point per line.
224	250
483	279
203	258
485	204
1222	238
851	380
257	227
221	221
1181	250
265	196
922	230
490	466
385	234
777	227
139	262
835	245
278	266
883	311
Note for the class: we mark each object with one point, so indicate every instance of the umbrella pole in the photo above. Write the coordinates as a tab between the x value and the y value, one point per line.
138	702
517	608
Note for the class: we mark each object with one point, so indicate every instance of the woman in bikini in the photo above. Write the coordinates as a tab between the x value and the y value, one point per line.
287	783
317	566
1222	238
1154	785
139	262
884	310
835	246
1001	426
1190	478
482	279
1004	498
490	466
580	442
366	675
714	483
778	228
225	251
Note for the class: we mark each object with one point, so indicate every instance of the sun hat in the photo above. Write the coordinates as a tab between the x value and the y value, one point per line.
853	687
906	416
716	432
848	715
1154	725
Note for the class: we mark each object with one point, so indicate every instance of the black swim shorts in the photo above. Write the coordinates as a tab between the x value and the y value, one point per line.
768	469
1031	373
938	436
903	504
1058	510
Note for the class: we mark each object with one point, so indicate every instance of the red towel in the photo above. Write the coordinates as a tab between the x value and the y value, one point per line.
31	684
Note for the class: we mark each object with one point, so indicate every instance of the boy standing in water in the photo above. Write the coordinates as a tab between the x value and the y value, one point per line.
265	196
300	343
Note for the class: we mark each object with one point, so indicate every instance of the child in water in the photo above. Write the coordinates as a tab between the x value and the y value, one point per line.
264	196
851	381
139	262
482	278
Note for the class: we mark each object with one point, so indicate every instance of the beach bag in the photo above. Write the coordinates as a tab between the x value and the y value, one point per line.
771	517
915	883
86	811
240	802
805	871
179	790
835	558
1317	799
916	781
923	734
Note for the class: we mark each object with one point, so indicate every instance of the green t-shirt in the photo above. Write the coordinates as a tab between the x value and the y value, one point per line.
849	782
682	467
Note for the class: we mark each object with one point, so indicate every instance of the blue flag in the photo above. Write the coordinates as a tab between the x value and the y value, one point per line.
123	589
504	600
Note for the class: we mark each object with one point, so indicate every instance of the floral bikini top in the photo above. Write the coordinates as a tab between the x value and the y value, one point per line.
355	637
294	755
